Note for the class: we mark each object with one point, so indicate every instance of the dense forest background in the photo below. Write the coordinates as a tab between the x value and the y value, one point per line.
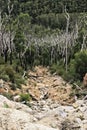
49	33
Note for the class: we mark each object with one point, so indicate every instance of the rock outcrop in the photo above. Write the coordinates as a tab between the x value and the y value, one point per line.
16	116
43	115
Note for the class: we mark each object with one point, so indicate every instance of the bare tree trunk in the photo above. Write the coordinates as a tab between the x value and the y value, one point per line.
1	36
83	47
10	47
67	28
10	8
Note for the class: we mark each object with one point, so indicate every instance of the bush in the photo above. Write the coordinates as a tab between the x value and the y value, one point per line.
10	72
19	80
2	60
13	86
67	77
36	62
25	97
17	68
6	73
4	77
53	68
58	68
8	95
78	66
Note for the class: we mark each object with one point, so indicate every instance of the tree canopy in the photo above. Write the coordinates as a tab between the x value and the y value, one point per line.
45	32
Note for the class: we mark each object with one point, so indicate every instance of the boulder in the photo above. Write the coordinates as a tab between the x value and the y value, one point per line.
11	119
17	116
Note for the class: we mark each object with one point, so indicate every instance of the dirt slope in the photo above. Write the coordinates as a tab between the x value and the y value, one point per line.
43	85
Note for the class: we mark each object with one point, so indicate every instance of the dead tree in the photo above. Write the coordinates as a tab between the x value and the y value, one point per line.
67	16
10	8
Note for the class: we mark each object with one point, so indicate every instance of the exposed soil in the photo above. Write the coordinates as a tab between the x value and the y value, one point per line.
42	84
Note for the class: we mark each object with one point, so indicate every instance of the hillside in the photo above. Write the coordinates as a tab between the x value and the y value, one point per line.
51	106
43	64
39	33
41	85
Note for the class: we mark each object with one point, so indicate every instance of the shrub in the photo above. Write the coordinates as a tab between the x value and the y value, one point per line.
25	97
61	71
13	86
1	60
67	77
58	68
19	80
8	95
36	62
17	68
78	66
10	72
53	68
4	77
7	73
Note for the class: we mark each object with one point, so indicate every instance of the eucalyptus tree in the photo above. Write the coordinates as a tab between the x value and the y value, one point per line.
10	9
67	30
20	39
55	44
83	30
3	34
7	30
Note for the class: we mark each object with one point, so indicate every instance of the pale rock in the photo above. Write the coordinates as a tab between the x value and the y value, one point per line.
75	105
37	127
54	106
18	120
14	105
17	98
1	83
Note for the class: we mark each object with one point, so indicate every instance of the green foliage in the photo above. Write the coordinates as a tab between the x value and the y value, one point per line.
13	86
33	19
78	66
25	97
1	60
5	77
58	68
53	68
67	76
19	41
8	73
36	62
6	105
8	95
17	68
19	80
